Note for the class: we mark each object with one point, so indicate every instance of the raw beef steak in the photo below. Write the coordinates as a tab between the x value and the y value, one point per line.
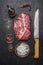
22	26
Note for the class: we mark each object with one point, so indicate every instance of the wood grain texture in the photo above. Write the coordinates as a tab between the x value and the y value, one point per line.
36	48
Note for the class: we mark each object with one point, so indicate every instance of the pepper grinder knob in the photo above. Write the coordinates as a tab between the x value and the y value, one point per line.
11	11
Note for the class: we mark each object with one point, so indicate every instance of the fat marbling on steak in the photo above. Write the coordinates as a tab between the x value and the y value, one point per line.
22	26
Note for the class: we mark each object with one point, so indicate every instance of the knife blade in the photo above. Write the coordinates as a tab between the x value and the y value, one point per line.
36	34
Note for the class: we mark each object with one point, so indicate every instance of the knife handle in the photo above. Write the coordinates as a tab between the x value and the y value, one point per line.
36	48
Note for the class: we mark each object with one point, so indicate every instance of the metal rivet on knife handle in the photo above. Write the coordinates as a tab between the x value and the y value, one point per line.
36	48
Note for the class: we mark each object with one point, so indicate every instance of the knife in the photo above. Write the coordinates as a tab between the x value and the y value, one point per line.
36	34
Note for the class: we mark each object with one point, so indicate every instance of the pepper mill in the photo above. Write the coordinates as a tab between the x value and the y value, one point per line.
11	11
